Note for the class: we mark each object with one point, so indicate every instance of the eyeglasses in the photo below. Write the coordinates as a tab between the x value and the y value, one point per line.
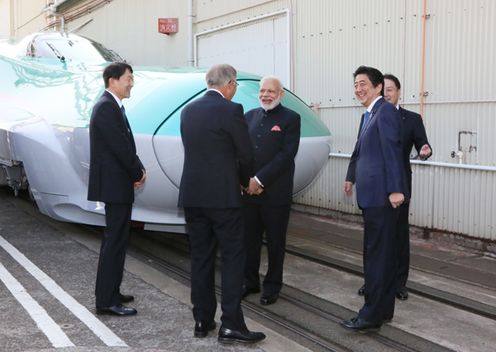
235	83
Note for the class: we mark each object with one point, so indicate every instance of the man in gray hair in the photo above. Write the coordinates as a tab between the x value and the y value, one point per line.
218	160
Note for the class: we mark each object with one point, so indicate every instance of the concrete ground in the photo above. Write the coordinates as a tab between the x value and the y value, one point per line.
50	266
448	268
32	245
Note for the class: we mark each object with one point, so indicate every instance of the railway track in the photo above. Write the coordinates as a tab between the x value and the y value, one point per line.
420	289
306	319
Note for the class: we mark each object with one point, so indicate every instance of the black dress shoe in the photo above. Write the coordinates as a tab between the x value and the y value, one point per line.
265	300
203	327
387	320
361	291
358	324
118	309
248	291
245	336
402	294
125	298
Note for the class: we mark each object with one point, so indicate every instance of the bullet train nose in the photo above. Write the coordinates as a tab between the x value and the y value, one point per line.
167	146
313	154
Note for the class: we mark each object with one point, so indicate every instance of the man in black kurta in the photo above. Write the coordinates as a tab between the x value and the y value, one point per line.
275	135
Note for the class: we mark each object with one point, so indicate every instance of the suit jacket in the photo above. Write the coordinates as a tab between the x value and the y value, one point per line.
217	153
412	134
114	165
275	136
376	165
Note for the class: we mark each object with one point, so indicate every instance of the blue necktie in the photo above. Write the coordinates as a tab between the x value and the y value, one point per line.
366	117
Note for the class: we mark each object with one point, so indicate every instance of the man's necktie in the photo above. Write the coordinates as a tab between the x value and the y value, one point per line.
366	117
123	111
125	118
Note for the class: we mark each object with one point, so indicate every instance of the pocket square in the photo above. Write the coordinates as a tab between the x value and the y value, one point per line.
275	129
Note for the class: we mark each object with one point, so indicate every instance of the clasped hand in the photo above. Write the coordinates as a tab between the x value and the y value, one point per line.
254	188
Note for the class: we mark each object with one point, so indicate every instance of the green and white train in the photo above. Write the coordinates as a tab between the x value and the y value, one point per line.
49	83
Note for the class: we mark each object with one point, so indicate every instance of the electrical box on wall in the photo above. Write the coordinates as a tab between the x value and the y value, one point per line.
168	25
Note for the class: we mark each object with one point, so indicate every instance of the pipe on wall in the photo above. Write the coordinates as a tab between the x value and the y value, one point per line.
58	3
422	67
77	12
191	59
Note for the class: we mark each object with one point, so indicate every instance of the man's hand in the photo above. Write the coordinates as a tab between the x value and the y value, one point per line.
141	182
254	188
425	152
396	199
348	188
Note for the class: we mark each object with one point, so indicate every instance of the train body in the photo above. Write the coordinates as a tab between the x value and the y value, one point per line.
48	86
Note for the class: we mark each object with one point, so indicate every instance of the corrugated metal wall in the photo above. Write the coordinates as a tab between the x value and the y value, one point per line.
451	198
329	40
218	13
463	200
27	16
332	38
5	19
131	28
258	46
207	10
387	34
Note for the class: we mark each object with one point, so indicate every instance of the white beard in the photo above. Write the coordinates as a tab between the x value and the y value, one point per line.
272	105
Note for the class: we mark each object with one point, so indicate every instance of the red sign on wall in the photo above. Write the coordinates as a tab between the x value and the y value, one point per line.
168	25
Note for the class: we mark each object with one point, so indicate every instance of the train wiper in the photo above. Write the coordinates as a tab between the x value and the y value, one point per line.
56	52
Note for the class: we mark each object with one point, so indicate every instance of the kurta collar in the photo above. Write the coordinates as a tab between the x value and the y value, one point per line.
274	110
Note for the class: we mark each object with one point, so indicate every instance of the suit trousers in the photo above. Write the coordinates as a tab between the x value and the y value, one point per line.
403	244
261	218
112	254
209	228
379	263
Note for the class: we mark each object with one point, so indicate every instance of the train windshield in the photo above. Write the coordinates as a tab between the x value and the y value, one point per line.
70	49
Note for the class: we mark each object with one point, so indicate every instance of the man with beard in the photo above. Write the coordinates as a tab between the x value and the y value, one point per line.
275	135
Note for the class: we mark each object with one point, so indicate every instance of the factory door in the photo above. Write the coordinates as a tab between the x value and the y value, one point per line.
260	46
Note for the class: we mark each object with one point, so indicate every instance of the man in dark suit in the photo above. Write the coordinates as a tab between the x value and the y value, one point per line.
218	161
115	171
412	134
275	135
376	167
